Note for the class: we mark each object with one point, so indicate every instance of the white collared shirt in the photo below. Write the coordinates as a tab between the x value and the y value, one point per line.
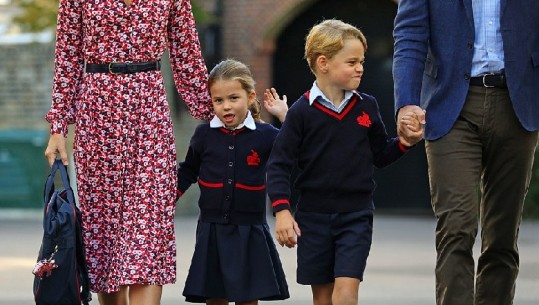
249	122
317	93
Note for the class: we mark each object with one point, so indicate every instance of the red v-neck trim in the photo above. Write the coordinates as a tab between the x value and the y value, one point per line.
334	114
233	132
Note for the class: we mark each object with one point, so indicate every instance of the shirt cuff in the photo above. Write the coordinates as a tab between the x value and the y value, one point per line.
279	205
405	148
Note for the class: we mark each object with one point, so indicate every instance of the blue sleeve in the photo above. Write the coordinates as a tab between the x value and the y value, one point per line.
411	36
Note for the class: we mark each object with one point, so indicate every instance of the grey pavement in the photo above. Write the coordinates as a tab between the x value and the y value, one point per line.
399	270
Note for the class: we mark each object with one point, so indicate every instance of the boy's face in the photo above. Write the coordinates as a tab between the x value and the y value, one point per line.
230	101
345	69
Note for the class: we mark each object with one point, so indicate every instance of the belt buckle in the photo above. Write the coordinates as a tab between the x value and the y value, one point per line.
485	84
110	67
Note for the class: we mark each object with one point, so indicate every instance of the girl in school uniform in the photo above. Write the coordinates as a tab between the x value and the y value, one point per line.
235	259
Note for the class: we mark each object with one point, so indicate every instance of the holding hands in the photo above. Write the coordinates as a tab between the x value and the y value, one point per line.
410	121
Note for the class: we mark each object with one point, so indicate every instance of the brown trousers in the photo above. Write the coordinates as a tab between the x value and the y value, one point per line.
479	174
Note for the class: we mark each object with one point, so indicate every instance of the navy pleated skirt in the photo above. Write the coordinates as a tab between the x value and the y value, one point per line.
235	262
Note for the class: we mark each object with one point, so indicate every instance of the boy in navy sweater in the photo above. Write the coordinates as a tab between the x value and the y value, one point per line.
336	136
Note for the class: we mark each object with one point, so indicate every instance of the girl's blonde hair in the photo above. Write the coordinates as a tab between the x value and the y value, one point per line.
231	69
327	38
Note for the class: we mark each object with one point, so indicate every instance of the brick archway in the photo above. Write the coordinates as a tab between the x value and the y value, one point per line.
268	35
249	30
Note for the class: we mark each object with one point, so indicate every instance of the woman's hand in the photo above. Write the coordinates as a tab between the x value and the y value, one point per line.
57	145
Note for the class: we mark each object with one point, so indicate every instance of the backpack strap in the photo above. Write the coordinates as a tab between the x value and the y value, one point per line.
49	185
86	296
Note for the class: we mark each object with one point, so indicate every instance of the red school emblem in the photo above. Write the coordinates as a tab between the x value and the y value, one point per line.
364	120
253	159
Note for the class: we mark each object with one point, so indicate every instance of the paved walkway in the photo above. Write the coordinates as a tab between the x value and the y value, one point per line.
399	270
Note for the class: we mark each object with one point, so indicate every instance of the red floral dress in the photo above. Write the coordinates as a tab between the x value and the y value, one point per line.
124	147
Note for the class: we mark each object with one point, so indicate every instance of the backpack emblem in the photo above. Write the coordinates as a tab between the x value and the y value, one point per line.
364	120
253	159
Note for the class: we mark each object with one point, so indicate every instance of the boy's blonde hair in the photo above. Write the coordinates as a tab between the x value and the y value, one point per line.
327	38
231	69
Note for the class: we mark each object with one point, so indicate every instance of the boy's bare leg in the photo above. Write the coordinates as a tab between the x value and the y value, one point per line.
343	292
346	291
322	294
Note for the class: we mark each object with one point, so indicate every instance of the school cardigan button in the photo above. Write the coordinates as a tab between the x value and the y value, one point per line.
231	147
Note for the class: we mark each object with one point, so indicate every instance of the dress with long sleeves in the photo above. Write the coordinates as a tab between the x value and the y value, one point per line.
124	149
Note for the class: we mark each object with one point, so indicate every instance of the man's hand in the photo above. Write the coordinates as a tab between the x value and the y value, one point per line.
408	131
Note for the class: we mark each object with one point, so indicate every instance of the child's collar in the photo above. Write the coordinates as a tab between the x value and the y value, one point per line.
249	122
315	93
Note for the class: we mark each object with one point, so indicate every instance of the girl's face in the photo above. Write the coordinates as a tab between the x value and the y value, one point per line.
345	69
230	101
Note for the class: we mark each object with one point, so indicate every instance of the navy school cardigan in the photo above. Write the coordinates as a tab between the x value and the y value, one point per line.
230	168
335	154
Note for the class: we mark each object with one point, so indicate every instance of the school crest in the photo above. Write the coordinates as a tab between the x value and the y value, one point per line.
364	120
253	159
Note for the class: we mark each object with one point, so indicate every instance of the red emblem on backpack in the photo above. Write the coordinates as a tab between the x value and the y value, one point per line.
364	120
253	159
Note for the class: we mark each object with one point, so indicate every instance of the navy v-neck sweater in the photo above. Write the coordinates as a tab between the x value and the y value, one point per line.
335	153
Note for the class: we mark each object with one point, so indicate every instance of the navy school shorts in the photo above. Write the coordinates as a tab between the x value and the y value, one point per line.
333	245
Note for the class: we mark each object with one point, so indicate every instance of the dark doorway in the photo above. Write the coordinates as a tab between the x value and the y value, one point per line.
402	186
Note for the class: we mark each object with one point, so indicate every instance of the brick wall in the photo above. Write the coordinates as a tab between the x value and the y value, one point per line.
250	29
25	84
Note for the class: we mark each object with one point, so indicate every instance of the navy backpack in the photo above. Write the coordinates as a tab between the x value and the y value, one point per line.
61	276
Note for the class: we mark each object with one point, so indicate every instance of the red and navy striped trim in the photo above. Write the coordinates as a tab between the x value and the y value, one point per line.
238	185
250	188
234	132
209	184
325	109
279	202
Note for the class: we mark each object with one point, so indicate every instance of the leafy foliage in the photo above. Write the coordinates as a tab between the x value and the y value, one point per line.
39	15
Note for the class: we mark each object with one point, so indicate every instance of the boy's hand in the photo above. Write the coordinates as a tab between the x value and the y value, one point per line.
410	126
286	229
274	105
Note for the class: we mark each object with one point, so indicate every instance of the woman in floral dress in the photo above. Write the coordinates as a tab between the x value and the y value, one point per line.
107	82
